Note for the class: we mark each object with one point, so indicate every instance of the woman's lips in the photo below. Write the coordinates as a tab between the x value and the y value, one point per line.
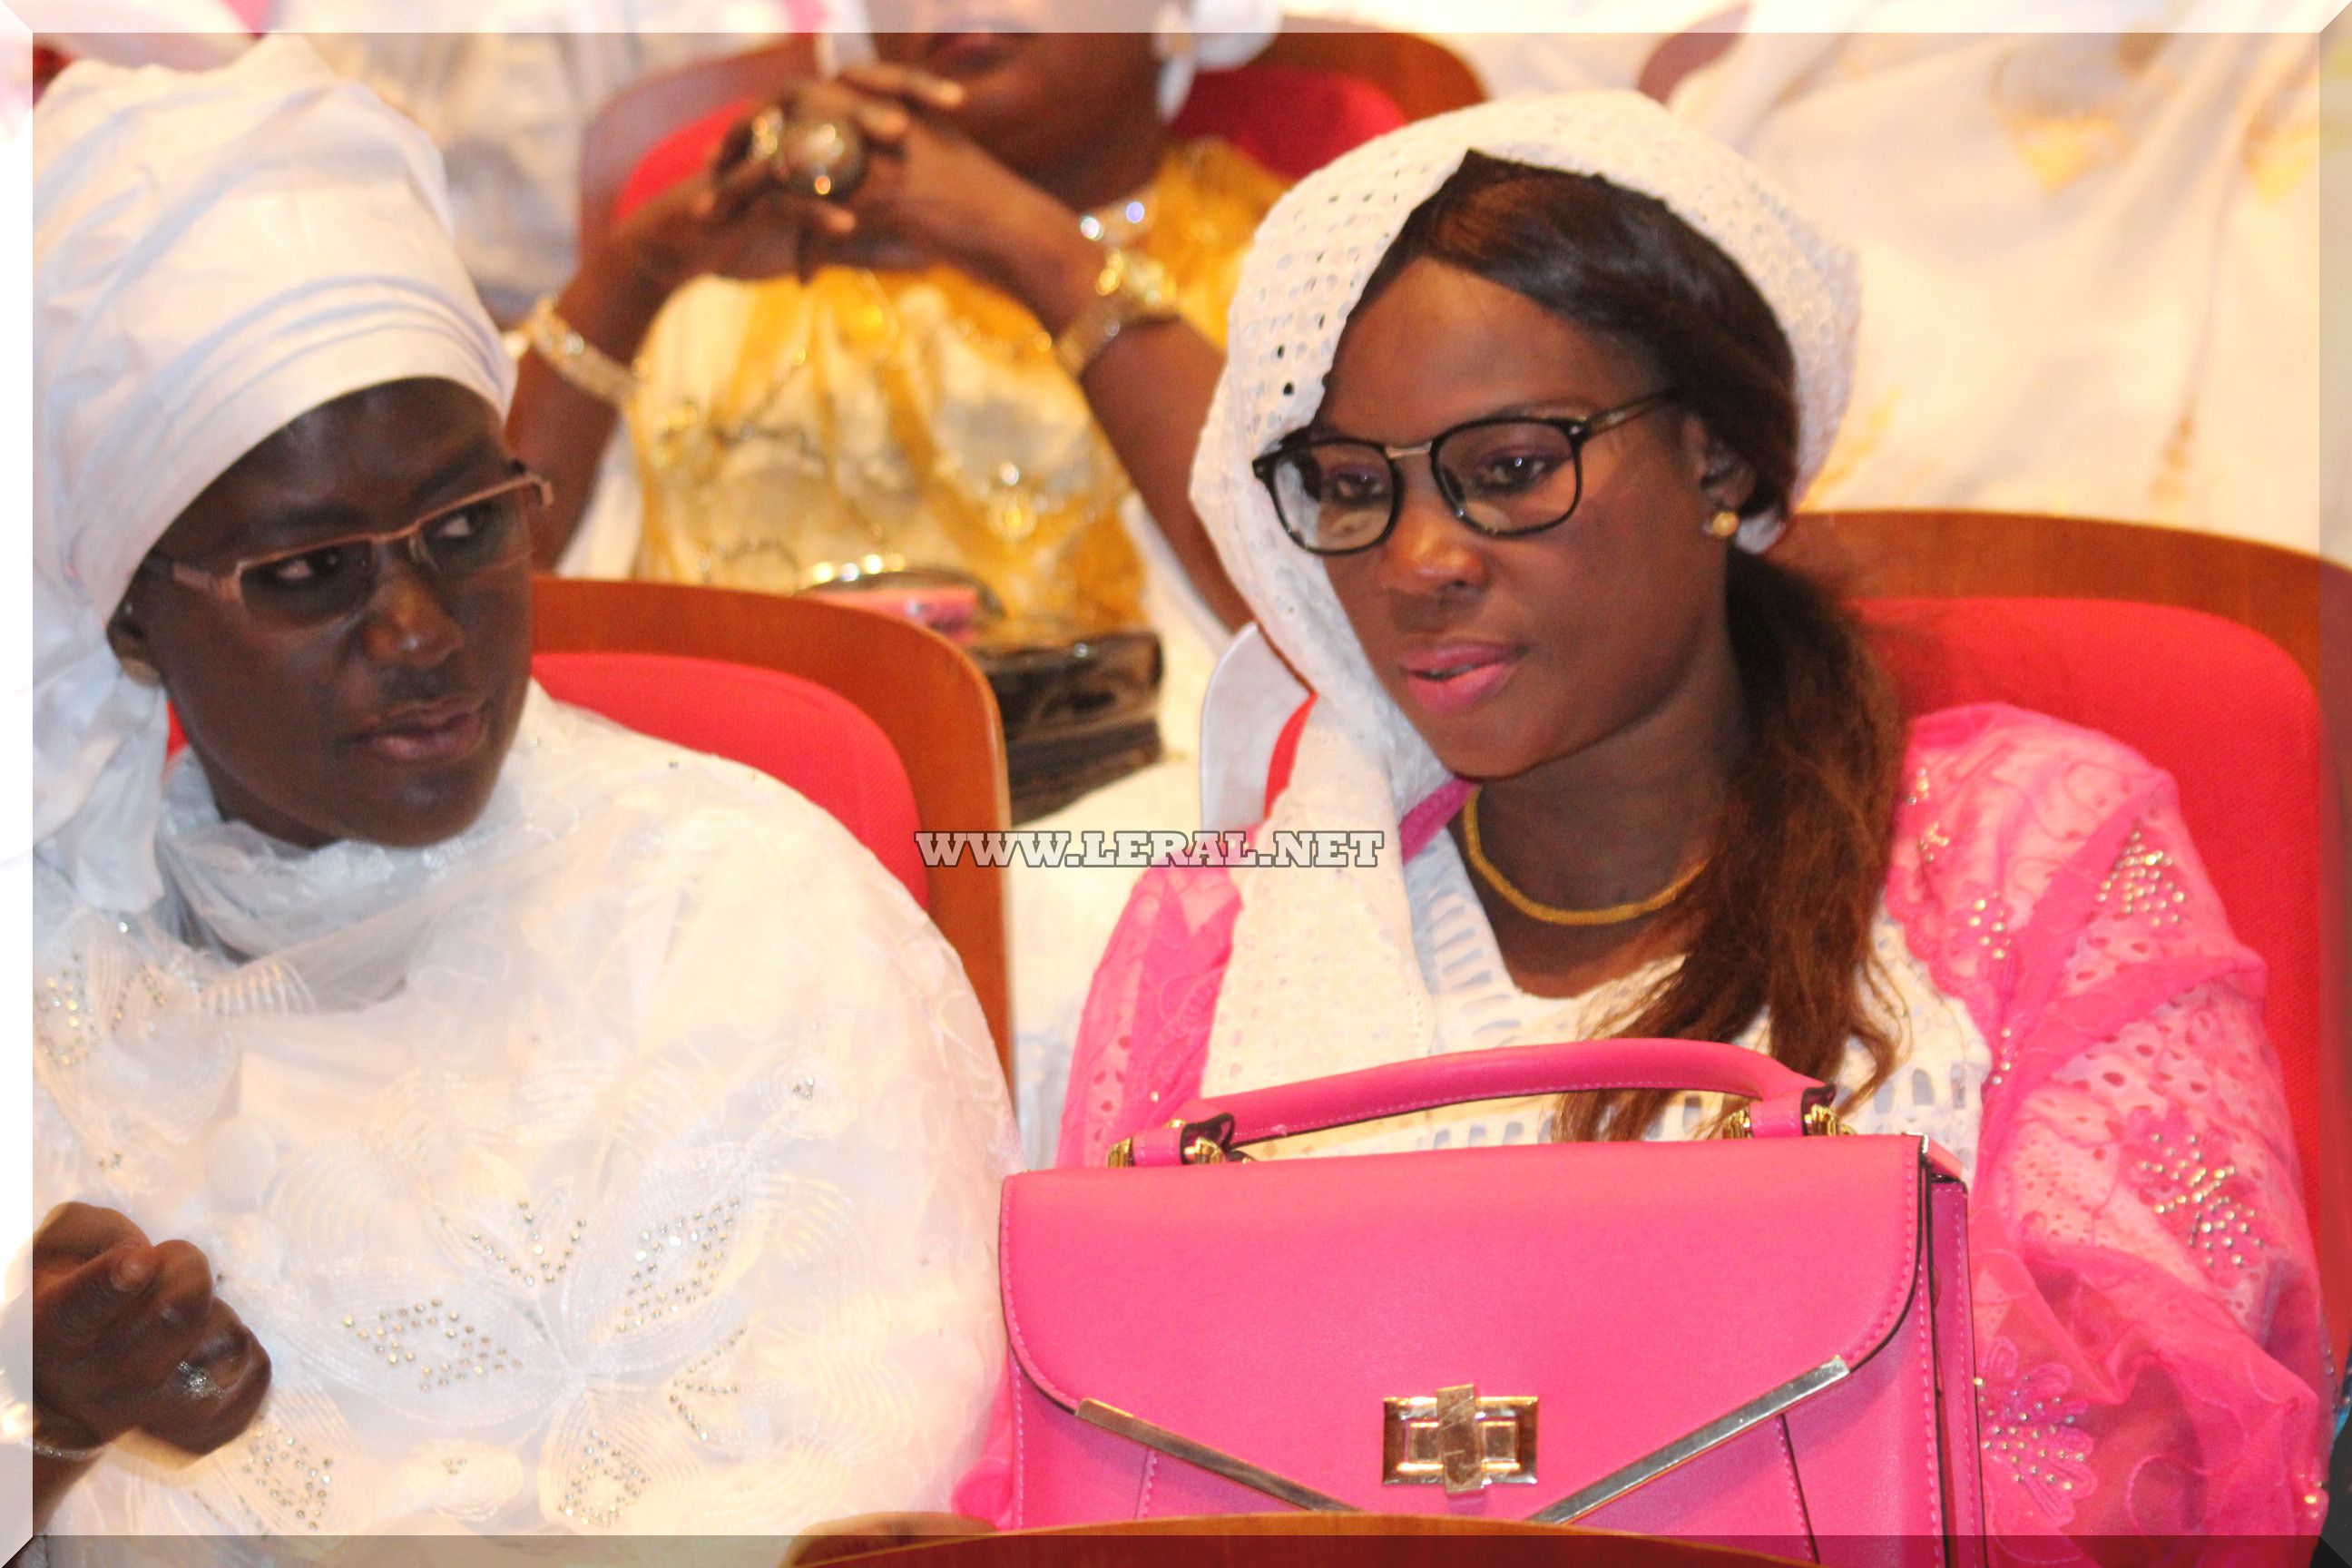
1456	678
440	733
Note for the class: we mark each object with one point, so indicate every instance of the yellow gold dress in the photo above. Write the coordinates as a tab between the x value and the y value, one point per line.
785	429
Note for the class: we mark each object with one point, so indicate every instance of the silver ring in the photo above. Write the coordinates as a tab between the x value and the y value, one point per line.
64	1454
195	1380
822	158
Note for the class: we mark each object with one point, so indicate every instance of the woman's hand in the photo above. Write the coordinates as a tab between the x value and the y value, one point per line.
739	219
129	1335
932	194
735	219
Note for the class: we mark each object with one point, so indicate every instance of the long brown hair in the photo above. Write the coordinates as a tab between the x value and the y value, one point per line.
1780	921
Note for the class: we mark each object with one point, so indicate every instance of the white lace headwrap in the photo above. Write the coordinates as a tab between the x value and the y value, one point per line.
214	254
1323	977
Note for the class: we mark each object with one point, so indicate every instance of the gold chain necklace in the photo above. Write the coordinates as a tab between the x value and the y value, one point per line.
1616	914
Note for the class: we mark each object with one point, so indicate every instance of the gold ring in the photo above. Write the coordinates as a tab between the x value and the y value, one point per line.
767	134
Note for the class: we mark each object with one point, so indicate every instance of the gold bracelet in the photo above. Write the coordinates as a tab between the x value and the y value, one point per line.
1132	291
576	360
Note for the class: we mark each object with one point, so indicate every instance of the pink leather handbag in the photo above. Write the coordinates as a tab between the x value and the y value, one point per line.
1759	1341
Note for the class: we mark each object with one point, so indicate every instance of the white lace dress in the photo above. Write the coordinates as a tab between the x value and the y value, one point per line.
1933	1093
627	1165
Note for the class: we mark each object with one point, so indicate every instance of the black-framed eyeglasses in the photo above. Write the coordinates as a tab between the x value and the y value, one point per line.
313	585
1505	475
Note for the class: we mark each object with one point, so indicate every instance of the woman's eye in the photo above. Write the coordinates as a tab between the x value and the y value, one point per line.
1512	471
458	528
306	570
476	535
1356	487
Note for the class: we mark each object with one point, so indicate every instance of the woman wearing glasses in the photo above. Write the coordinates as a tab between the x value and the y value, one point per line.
461	1115
1517	398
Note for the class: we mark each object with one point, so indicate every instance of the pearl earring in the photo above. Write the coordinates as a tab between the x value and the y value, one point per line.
1723	525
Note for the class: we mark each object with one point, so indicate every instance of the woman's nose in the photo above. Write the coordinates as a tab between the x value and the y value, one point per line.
1429	549
408	622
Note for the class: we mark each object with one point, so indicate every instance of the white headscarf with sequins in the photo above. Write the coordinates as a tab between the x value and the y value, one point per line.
1334	944
214	254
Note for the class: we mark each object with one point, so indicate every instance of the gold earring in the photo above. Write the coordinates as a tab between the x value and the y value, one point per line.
1723	525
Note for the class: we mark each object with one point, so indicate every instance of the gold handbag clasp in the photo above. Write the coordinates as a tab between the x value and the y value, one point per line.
1820	1121
1205	1143
1458	1440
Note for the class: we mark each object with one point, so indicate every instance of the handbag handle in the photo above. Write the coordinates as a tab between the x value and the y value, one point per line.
1785	1103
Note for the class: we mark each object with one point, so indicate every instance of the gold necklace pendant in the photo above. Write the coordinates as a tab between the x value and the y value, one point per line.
1551	914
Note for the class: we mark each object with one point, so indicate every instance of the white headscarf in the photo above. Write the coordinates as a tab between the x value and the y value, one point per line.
213	255
1191	35
1346	933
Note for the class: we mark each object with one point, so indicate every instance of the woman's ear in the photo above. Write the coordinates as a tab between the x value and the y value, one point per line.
128	641
1726	479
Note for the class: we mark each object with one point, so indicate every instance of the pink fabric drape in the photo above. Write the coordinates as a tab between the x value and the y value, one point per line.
2151	1356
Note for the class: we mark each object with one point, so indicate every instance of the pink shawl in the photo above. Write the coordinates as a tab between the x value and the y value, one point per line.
2151	1356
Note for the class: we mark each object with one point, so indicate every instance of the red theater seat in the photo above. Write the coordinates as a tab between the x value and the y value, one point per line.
1291	118
2230	716
792	730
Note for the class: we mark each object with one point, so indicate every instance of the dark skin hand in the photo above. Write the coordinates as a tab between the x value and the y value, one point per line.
744	227
981	152
1605	749
114	1319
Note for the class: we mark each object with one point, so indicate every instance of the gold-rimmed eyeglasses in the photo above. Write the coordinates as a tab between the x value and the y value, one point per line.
312	584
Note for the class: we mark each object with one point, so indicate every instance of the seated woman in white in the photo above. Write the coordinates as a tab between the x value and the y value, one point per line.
466	1116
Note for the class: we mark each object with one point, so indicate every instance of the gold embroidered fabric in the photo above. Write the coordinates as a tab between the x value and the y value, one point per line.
2131	220
785	428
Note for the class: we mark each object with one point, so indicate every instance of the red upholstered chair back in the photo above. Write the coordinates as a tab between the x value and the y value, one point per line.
678	156
818	743
2233	718
1291	118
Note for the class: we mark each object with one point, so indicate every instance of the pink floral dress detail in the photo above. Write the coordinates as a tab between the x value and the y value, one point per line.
2151	1359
